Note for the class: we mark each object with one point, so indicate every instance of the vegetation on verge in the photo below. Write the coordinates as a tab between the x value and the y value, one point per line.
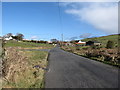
20	71
108	52
24	68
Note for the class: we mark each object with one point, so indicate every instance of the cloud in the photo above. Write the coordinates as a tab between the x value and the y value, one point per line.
85	35
34	37
73	38
103	16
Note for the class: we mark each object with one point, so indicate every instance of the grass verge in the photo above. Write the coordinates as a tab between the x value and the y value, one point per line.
24	69
93	58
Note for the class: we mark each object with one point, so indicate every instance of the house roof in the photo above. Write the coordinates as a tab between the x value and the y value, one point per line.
80	43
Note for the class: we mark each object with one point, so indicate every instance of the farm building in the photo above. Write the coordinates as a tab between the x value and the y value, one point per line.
50	42
0	37
97	43
8	38
81	43
89	43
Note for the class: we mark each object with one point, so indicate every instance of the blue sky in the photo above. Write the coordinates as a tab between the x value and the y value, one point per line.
43	21
0	18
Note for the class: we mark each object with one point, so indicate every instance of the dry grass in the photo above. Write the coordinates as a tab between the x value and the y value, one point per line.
18	69
110	56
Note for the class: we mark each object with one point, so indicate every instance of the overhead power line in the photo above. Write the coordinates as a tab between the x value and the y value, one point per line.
60	18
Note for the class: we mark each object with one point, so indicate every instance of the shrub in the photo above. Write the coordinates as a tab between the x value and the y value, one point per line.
77	47
110	44
95	47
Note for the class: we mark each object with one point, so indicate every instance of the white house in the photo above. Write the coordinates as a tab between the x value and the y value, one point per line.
0	37
8	38
49	42
80	42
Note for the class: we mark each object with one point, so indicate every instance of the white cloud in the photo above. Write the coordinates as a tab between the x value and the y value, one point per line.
85	35
103	16
34	37
73	38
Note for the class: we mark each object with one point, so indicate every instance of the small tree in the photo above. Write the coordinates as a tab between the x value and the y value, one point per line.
110	44
19	36
54	41
7	35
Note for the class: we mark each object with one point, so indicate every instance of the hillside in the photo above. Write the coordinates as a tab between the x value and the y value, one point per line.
104	39
98	53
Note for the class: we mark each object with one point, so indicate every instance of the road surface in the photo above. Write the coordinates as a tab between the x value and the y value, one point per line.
67	70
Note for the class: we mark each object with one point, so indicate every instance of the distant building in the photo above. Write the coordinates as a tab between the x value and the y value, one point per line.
69	44
81	43
0	37
50	42
89	43
54	40
8	38
97	43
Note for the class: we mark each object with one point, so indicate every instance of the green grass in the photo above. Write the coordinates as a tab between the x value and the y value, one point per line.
27	44
27	76
104	39
35	58
82	47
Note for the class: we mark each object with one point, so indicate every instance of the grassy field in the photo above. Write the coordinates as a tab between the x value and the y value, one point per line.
28	45
104	39
23	68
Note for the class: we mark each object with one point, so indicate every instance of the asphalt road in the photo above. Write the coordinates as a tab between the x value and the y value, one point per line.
67	70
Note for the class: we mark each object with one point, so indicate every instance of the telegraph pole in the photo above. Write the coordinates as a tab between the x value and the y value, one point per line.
62	39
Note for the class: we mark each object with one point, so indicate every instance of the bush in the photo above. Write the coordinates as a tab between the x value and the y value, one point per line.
95	47
110	44
77	47
107	58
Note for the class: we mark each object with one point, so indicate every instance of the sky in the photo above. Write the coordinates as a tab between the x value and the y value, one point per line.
0	18
48	20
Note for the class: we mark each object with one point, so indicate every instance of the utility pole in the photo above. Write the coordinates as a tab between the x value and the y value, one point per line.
62	39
